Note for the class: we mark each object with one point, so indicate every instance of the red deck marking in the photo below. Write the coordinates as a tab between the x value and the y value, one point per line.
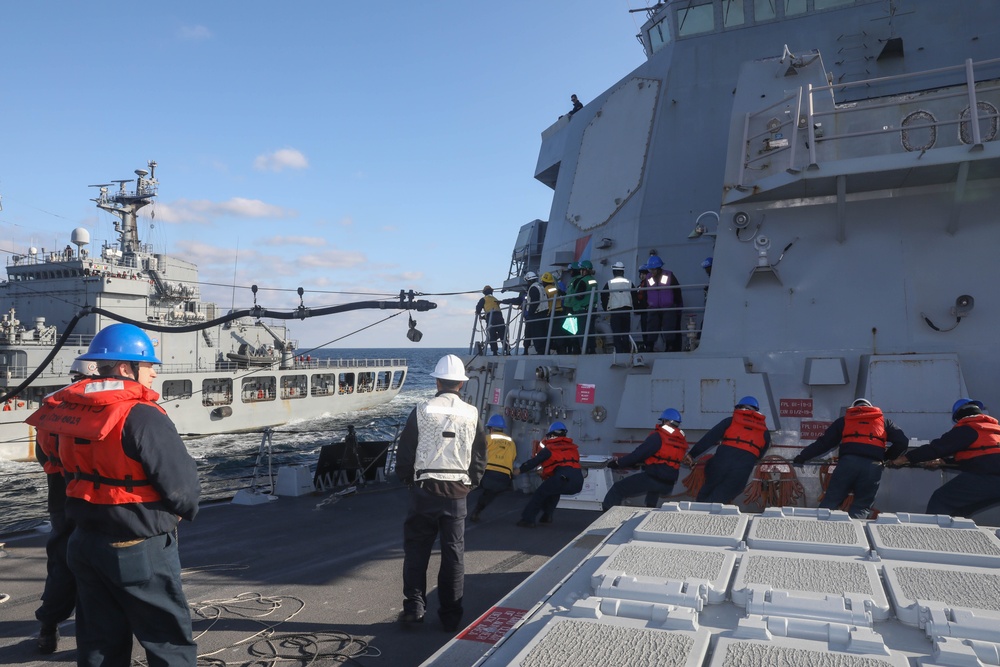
493	625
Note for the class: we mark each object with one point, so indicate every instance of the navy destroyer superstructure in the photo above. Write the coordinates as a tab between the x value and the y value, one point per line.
838	160
240	375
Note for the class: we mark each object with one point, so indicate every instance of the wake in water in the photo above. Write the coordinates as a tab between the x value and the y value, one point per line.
226	462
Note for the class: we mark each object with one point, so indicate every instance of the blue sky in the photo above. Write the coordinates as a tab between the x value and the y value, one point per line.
344	147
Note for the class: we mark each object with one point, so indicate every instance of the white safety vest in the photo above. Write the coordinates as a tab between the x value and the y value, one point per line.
619	293
540	298
446	429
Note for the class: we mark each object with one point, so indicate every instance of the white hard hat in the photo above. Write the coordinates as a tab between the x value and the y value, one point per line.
617	266
83	367
450	368
530	276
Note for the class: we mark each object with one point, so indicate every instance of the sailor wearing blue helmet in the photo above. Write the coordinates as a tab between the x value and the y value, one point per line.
132	481
973	443
500	454
742	440
559	458
660	456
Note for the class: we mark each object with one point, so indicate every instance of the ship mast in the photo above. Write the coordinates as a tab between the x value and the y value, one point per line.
125	204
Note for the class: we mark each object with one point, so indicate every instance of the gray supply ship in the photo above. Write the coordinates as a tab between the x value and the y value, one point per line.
838	160
239	375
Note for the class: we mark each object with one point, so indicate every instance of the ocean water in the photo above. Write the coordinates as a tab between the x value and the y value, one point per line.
226	462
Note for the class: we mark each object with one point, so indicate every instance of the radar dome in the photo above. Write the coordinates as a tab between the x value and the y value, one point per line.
80	237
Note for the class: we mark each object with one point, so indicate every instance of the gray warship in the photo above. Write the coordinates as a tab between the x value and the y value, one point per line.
838	161
222	371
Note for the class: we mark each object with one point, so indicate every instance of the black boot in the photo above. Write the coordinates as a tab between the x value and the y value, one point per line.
48	639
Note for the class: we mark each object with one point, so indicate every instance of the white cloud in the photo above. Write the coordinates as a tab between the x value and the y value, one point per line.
295	240
193	33
346	221
333	259
204	210
279	160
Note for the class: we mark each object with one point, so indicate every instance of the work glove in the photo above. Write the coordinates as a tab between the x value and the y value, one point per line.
613	464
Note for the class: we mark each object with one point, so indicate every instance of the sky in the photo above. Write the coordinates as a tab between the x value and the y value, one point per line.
354	149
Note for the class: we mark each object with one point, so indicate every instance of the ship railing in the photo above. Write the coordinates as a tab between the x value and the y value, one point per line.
808	136
670	329
297	364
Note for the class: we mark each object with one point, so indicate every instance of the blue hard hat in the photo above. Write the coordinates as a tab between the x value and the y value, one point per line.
963	402
749	402
655	262
496	421
121	342
670	415
706	263
556	427
644	267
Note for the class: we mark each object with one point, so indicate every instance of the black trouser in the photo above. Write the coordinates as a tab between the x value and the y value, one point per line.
565	481
621	327
492	484
430	516
59	596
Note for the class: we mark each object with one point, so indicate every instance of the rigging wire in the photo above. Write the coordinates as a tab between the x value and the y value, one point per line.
405	302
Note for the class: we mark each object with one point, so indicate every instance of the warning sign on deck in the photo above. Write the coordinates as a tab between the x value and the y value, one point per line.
493	625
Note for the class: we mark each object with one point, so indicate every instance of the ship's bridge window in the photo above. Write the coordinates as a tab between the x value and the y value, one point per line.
659	35
793	7
696	19
830	4
732	13
764	10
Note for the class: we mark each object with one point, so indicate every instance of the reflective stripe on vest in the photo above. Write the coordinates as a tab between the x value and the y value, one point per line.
673	446
88	418
865	425
446	429
500	453
987	440
746	432
619	293
553	301
564	454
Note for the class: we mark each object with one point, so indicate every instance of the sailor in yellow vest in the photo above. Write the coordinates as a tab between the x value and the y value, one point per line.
500	454
496	329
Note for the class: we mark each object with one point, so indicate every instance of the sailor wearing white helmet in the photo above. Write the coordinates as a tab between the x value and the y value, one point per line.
864	436
59	594
536	310
132	481
618	299
441	457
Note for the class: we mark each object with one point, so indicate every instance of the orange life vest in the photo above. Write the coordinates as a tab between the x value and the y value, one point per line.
865	425
746	432
673	446
563	454
88	418
48	444
987	440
